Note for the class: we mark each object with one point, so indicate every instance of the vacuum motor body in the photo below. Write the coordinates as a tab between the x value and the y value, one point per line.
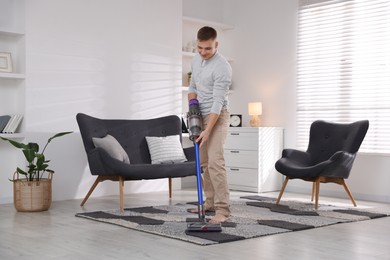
194	119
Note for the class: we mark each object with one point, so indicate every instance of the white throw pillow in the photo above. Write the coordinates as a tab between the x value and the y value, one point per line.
112	147
165	149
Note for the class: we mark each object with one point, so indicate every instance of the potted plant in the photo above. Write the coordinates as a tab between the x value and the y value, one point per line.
33	193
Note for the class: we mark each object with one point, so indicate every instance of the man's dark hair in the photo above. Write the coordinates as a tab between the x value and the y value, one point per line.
207	33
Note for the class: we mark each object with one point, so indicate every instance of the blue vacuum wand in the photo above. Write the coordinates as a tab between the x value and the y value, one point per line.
201	211
195	128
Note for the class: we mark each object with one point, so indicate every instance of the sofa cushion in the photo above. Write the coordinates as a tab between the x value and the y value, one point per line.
112	147
167	149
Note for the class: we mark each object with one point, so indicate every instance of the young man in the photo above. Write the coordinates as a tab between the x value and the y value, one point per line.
210	82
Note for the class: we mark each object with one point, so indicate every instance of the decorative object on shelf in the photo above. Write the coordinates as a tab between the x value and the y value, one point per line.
189	77
12	123
255	109
235	120
5	62
4	120
191	46
33	193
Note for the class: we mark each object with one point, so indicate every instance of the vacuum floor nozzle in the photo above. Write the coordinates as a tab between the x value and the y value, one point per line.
203	227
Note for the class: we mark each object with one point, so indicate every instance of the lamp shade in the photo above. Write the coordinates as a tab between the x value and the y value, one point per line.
255	108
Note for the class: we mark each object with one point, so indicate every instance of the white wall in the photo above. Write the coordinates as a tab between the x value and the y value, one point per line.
205	9
264	52
109	59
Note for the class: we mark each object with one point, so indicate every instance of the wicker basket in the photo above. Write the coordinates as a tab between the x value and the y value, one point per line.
32	196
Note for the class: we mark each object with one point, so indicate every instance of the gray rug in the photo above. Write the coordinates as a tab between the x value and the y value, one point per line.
252	216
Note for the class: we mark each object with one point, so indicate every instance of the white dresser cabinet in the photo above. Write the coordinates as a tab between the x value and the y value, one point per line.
250	155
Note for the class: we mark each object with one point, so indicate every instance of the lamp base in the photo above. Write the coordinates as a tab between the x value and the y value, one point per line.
255	121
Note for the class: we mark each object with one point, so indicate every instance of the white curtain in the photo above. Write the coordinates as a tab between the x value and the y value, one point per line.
343	70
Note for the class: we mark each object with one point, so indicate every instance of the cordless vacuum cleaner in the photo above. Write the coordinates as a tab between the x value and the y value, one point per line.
194	118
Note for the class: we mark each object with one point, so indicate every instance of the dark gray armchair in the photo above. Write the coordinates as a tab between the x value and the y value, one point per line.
131	136
329	158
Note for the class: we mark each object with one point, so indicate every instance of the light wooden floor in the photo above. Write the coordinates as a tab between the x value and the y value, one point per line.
57	234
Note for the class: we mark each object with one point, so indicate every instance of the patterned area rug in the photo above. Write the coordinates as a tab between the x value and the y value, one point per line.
252	216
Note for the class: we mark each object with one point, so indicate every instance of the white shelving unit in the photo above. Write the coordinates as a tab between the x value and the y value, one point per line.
12	40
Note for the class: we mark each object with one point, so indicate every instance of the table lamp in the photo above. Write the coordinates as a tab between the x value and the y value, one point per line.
255	109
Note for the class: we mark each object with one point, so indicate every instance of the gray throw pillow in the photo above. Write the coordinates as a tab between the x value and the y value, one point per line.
167	149
112	147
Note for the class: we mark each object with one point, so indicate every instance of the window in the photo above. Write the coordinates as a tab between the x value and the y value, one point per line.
343	67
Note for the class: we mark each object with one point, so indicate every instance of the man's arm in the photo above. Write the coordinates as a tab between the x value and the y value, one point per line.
192	95
204	135
213	117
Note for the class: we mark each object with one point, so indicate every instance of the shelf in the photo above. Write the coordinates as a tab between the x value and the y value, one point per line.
13	136
12	75
188	54
10	40
185	89
11	33
208	23
192	54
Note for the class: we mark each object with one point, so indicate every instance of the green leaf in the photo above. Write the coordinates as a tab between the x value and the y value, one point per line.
33	146
16	144
18	170
32	168
58	135
29	154
40	158
43	167
55	136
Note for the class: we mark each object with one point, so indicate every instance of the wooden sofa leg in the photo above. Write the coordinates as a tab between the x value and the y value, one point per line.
349	193
282	190
121	196
98	179
170	186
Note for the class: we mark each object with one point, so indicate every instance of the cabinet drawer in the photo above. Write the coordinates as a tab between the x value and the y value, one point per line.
242	141
240	158
242	177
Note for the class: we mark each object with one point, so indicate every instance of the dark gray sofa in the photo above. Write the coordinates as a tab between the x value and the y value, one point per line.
131	135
